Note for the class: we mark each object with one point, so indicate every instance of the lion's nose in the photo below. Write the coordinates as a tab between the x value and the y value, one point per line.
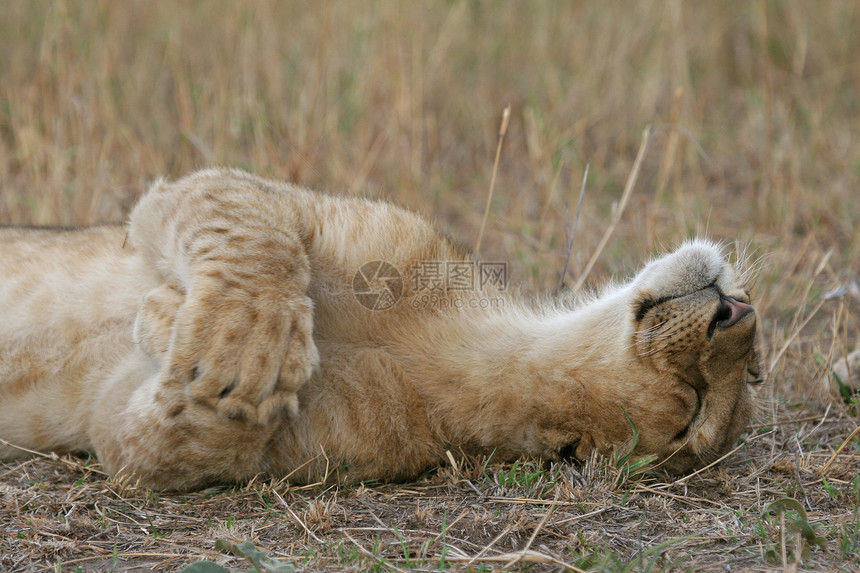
731	311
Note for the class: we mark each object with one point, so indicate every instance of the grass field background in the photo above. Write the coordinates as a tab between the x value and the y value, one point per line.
754	115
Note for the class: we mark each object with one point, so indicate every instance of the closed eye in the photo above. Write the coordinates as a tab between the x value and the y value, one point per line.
648	302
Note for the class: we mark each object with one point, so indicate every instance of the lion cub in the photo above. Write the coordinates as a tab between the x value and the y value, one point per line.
240	326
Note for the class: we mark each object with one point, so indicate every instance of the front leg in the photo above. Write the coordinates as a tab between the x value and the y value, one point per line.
241	341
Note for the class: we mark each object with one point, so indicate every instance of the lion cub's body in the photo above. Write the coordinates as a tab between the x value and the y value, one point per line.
219	337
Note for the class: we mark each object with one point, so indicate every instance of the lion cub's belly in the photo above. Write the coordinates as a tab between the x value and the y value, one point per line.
359	413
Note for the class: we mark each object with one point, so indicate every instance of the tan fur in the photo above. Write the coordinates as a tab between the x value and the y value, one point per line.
221	339
847	370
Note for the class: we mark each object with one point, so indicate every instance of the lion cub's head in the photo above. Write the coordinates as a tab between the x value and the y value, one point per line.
694	333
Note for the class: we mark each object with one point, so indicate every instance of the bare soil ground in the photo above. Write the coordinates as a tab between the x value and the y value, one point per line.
754	114
62	514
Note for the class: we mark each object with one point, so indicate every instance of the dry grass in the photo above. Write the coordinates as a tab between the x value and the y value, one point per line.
753	110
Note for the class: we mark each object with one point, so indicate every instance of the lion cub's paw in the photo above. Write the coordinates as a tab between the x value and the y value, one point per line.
153	325
696	265
243	355
246	356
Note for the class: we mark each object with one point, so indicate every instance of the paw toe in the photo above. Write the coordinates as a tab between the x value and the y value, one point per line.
277	405
237	409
